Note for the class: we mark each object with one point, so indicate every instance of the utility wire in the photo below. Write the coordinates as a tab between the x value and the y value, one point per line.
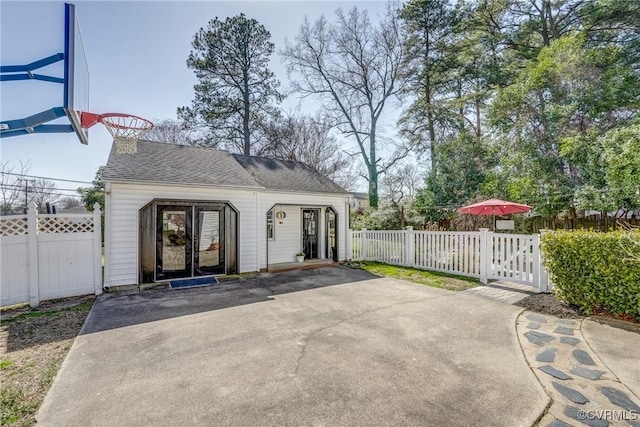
46	177
61	195
38	187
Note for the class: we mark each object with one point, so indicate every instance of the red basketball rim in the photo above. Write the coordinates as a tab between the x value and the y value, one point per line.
118	124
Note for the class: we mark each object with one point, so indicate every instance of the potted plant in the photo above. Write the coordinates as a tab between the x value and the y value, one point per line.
300	256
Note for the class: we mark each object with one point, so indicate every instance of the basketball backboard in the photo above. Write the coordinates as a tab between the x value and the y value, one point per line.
44	72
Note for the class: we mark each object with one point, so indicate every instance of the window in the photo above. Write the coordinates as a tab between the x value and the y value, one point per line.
270	226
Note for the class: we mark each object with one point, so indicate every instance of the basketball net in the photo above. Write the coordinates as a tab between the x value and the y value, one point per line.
126	129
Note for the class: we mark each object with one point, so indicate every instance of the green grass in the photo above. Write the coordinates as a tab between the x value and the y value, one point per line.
428	278
42	339
49	374
15	407
50	313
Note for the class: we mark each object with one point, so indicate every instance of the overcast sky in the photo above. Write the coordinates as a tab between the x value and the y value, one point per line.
136	54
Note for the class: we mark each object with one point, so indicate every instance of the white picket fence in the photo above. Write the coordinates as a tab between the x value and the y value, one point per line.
482	254
45	256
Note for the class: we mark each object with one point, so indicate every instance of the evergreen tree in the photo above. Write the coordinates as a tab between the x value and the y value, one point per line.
236	90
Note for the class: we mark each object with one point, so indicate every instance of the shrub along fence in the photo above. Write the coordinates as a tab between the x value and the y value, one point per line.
596	271
482	254
47	256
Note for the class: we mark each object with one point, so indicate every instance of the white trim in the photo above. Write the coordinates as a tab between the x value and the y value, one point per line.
258	222
181	184
18	216
240	187
107	236
66	215
300	192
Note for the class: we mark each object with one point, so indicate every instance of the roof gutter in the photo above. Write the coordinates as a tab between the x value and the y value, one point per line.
244	187
323	193
179	184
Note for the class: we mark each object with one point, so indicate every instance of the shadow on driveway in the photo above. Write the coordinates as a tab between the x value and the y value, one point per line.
112	311
349	349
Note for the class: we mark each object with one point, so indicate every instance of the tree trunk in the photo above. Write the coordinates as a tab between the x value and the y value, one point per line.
373	167
546	8
245	118
461	108
373	186
432	138
427	97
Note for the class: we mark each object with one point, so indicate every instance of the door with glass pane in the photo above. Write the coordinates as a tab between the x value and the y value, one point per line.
173	242
208	242
331	228
310	233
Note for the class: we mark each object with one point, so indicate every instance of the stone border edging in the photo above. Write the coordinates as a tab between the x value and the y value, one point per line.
582	389
616	323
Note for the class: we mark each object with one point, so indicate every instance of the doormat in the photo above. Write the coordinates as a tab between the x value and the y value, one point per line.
187	283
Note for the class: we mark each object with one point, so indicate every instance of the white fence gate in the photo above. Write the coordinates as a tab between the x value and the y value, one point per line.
482	254
45	256
513	257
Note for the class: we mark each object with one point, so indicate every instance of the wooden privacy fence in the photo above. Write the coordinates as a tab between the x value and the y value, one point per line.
45	256
482	254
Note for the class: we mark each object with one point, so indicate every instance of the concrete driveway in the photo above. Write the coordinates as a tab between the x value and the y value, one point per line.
325	347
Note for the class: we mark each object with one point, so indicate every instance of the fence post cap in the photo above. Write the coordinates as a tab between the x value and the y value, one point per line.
483	229
409	227
96	206
33	205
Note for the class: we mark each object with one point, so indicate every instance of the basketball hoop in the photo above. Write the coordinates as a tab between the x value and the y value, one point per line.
125	129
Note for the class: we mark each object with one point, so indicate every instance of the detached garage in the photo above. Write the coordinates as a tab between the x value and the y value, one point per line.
175	211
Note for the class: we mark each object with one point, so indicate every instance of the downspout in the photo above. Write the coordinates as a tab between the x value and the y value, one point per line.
257	230
266	235
347	221
107	236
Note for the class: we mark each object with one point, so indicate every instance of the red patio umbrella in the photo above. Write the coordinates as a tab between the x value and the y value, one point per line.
493	207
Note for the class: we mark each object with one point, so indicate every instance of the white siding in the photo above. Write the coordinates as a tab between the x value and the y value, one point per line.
287	241
288	235
125	200
122	230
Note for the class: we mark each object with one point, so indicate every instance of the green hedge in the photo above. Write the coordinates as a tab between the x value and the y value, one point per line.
596	271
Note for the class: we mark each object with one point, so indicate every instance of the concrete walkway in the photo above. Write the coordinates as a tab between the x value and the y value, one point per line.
325	347
619	350
506	292
591	371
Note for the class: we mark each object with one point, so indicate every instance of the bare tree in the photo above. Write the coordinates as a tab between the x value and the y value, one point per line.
354	67
42	191
401	183
173	132
12	180
309	140
69	202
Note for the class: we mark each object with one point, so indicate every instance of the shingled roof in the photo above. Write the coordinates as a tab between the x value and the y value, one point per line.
171	163
179	164
286	175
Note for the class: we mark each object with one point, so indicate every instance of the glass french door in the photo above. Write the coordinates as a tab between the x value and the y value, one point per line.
310	233
189	242
174	246
209	245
